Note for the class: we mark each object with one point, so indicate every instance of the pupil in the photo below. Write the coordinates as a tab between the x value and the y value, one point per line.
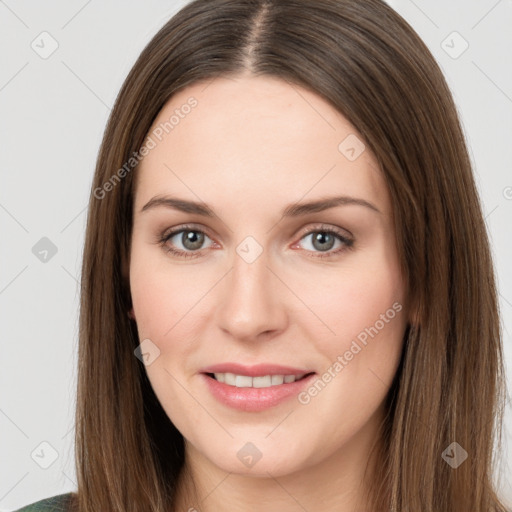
320	237
192	240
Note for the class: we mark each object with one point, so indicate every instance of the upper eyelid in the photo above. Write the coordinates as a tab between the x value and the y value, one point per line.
175	231
325	227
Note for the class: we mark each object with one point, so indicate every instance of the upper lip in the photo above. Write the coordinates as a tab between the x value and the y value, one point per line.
258	370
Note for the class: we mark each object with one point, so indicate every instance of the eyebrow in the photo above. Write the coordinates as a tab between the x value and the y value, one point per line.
292	210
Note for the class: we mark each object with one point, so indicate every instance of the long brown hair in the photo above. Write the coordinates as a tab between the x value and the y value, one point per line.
373	68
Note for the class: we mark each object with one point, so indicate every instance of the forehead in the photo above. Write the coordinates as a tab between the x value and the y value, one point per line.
256	140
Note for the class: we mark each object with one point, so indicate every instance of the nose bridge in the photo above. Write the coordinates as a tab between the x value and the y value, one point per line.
249	278
250	302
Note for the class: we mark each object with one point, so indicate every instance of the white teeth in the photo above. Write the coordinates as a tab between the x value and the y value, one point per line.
241	381
277	379
244	381
230	379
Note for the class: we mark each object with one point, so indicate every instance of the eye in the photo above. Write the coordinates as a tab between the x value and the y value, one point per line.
190	238
323	239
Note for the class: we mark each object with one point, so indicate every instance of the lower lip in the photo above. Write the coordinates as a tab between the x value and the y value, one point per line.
255	399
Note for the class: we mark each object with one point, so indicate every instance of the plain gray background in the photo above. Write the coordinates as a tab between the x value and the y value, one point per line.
53	112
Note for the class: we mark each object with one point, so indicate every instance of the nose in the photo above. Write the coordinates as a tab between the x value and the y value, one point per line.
251	301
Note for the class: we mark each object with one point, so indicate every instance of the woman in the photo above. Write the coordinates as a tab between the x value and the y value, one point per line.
229	360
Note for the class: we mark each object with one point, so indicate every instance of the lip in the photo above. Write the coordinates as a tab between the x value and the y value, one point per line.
258	370
255	399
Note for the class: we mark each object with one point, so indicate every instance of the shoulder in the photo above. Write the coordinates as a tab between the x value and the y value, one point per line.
60	503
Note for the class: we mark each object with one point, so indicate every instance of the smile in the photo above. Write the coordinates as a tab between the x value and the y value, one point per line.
245	381
254	394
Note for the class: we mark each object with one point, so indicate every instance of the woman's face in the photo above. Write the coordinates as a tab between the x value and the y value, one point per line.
259	281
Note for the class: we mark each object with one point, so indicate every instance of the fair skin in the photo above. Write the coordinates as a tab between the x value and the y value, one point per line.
251	147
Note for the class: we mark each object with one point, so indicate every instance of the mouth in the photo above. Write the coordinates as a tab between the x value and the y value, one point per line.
263	381
255	393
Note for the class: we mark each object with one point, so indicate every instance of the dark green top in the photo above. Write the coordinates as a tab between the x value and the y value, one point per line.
58	503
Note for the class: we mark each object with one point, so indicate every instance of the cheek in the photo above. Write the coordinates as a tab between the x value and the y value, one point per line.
160	294
366	290
363	322
169	302
153	307
163	304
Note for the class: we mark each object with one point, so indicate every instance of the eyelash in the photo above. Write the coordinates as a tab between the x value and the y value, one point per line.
166	236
